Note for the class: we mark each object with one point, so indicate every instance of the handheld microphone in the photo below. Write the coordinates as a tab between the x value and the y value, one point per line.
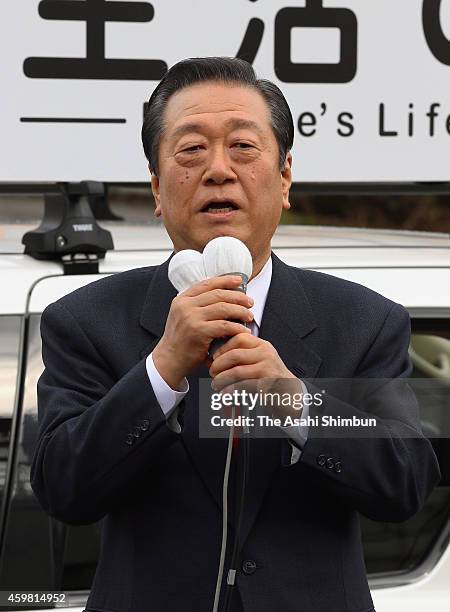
226	255
222	256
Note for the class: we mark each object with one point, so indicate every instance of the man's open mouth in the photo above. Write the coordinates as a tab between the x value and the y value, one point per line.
219	207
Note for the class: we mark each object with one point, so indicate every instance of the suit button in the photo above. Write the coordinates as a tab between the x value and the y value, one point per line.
330	463
137	432
130	439
145	424
338	467
321	460
249	567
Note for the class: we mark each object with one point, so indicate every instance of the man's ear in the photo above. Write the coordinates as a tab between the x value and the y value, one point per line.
286	181
156	194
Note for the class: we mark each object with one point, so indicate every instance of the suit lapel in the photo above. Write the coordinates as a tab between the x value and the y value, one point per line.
157	303
286	321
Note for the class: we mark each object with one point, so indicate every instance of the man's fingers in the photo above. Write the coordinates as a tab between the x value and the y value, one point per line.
222	310
222	329
216	282
238	341
240	373
222	295
232	358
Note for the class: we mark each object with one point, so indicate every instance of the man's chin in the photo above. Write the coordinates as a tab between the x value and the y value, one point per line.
199	240
224	231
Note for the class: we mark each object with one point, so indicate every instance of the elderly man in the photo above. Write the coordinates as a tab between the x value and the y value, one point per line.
118	400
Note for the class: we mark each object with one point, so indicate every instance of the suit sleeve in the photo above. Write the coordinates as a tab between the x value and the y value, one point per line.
98	436
389	475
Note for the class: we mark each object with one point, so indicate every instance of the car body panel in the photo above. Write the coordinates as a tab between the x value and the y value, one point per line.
431	592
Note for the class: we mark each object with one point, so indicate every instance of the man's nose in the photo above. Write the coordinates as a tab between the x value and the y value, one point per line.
218	167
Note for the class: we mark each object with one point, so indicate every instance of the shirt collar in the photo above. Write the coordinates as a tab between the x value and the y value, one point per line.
258	288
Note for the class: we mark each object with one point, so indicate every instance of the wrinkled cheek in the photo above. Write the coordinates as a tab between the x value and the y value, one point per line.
184	177
252	173
175	184
263	176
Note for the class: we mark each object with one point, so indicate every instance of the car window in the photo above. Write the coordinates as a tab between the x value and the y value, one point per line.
403	547
9	363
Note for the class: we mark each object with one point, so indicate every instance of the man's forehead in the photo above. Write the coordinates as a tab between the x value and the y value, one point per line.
229	105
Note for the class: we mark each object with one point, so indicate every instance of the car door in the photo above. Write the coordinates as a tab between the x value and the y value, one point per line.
40	556
408	564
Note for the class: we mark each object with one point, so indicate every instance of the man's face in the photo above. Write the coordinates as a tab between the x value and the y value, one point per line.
219	169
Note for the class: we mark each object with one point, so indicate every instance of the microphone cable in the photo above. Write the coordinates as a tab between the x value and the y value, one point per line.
224	514
241	484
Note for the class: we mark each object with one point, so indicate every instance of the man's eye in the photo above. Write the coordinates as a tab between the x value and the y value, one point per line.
193	148
243	145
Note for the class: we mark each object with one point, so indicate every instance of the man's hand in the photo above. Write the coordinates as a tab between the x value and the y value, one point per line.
196	317
249	362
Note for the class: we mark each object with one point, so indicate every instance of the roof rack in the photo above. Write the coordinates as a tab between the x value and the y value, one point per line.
69	231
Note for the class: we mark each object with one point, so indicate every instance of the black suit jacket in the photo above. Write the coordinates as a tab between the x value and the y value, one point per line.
105	450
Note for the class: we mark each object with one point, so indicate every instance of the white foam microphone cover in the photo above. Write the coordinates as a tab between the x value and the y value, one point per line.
227	255
185	269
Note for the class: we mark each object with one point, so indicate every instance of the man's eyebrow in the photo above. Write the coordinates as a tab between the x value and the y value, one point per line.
185	129
243	124
233	123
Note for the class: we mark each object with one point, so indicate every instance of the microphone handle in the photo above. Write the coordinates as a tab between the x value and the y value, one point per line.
218	342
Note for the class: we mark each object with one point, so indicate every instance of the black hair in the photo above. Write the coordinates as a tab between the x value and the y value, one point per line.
224	69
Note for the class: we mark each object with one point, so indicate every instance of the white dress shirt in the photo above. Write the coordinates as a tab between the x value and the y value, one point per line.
169	398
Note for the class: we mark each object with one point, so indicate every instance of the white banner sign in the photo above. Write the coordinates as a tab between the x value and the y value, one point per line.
368	82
